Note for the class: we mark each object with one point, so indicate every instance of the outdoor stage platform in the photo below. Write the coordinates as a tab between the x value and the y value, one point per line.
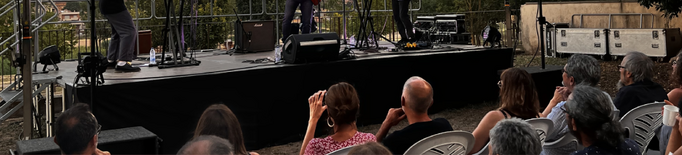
270	99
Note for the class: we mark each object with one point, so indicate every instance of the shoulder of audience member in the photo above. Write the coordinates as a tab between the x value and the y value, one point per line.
441	120
494	114
677	91
314	143
368	136
625	92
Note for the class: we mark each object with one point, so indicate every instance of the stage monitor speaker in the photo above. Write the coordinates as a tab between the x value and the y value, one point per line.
255	36
132	140
307	48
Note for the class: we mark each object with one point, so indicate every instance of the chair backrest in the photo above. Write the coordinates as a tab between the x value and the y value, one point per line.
448	143
343	151
641	122
616	114
543	126
568	141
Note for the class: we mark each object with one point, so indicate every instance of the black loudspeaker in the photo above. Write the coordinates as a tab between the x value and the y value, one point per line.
254	36
307	48
48	56
133	140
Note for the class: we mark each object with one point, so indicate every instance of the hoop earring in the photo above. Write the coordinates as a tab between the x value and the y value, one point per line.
330	125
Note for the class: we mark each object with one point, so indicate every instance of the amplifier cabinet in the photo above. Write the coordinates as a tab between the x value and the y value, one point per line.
256	36
581	41
424	23
652	42
450	24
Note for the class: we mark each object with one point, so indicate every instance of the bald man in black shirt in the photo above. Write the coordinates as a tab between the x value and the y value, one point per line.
123	35
416	99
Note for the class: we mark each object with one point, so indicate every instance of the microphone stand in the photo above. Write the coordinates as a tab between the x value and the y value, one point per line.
542	21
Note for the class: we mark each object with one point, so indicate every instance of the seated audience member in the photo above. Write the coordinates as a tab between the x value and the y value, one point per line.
342	105
674	97
579	70
219	120
369	148
514	137
76	131
676	79
590	120
635	87
675	143
207	145
416	99
518	98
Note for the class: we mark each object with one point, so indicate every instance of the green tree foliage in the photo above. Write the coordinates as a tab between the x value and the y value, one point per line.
670	8
74	6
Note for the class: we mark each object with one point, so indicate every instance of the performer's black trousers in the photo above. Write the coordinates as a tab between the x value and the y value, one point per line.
402	19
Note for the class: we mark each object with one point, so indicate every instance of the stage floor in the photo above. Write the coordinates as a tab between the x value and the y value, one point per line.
215	62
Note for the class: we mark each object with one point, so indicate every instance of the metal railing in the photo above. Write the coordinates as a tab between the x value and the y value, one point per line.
73	40
610	15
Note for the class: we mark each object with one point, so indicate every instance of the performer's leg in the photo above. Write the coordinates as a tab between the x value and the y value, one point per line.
398	21
405	18
289	11
307	14
112	52
123	23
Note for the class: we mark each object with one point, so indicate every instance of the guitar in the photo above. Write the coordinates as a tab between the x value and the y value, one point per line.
316	2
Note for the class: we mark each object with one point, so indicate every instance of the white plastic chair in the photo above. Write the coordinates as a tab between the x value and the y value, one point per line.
444	143
343	151
616	114
641	122
567	141
543	126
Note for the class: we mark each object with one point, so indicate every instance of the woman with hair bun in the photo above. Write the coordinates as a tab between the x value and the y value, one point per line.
342	104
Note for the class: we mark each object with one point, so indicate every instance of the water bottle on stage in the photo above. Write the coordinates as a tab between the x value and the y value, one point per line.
152	57
278	54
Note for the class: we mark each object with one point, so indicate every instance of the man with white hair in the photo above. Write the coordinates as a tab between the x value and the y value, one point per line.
635	87
416	99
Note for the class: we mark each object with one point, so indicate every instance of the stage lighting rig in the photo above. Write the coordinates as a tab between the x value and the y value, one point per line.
89	66
48	56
